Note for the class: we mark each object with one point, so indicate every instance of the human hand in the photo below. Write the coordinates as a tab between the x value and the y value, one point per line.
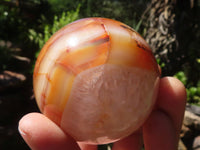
160	131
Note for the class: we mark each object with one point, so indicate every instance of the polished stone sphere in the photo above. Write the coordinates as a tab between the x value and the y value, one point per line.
97	79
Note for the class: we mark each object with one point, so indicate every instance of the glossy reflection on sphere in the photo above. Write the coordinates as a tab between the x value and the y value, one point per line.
97	79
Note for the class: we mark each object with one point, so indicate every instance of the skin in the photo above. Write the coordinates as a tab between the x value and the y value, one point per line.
160	131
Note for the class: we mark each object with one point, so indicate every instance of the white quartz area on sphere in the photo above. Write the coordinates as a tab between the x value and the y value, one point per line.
109	102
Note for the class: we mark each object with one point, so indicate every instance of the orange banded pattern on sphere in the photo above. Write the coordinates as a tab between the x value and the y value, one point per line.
79	65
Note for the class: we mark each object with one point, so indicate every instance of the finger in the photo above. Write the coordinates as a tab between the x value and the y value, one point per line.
172	100
161	130
40	133
132	142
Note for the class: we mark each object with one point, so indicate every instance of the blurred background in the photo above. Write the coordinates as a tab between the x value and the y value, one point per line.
171	27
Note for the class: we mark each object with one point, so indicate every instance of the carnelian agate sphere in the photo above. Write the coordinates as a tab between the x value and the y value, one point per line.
97	79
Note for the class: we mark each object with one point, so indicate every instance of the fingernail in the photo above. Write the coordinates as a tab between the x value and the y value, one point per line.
21	130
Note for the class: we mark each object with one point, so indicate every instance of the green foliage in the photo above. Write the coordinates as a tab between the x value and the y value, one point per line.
49	30
137	26
193	94
181	76
63	20
160	63
58	6
193	91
